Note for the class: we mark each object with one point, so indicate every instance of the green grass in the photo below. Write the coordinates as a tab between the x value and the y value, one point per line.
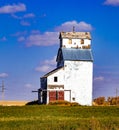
44	117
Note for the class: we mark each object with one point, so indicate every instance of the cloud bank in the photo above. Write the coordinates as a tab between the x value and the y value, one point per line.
100	78
9	9
3	75
112	2
46	65
51	38
45	39
28	85
3	39
79	26
25	23
29	15
25	16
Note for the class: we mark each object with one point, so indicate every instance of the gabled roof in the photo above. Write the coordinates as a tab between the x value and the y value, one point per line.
51	72
71	35
76	54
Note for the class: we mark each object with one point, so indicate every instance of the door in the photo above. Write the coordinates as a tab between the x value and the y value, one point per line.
52	96
60	95
56	95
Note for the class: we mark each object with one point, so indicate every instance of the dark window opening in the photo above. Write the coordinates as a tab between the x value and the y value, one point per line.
55	79
70	41
82	41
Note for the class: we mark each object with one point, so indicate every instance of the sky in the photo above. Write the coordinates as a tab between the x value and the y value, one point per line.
29	41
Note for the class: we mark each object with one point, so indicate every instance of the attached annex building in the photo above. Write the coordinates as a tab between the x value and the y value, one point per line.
73	77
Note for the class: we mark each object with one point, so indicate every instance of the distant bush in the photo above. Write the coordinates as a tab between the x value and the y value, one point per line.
102	101
113	100
99	101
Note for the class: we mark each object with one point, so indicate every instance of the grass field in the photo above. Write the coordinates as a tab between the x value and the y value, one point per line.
44	117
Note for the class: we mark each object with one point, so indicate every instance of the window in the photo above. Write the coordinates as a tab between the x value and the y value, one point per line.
82	41
55	79
70	41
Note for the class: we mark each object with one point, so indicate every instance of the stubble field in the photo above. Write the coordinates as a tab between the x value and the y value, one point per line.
48	117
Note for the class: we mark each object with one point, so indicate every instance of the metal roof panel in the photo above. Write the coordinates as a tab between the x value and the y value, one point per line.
77	54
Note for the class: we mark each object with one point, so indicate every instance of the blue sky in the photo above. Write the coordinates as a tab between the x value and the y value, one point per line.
29	42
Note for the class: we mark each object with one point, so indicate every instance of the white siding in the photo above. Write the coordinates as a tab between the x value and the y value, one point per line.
60	81
78	78
75	43
59	74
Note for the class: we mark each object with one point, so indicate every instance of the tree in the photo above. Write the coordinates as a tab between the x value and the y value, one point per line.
113	100
99	100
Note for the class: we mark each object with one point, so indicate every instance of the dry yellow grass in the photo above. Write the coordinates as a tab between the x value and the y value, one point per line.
13	103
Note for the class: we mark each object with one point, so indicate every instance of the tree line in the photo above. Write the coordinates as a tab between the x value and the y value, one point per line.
109	101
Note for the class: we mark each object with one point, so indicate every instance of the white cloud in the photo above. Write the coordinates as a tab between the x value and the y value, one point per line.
19	33
9	9
3	75
30	15
44	68
24	23
52	38
100	78
46	39
28	85
35	32
68	26
15	16
46	65
112	2
3	39
21	39
51	62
